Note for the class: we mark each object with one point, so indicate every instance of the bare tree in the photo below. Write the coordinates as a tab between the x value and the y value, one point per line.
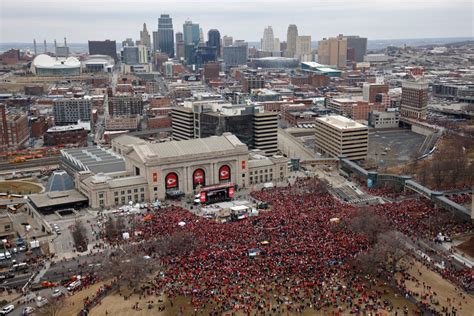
368	223
129	267
110	229
384	258
79	236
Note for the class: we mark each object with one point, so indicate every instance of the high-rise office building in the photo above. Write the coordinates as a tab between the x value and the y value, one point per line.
191	33
214	40
70	110
340	136
333	51
125	105
227	41
130	55
265	132
414	99
145	37
128	42
303	48
235	55
356	48
182	123
268	40
179	45
371	90
254	127
156	46
201	35
204	54
276	44
291	36
142	54
166	35
106	47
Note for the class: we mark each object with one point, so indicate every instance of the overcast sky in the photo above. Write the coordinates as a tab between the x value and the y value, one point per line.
81	20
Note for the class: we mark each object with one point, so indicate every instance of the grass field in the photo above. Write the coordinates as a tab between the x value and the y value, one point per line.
19	187
443	288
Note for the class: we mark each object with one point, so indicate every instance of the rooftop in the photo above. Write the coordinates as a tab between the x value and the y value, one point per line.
195	147
340	122
57	198
94	159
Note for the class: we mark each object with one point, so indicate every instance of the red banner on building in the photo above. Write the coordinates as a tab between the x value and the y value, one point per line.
202	197
171	181
224	172
244	164
155	176
198	177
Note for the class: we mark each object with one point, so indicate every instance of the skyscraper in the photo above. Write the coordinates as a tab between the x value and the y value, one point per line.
166	35
145	37
268	40
156	46
191	33
414	99
291	36
235	55
227	41
106	47
179	45
214	40
333	51
356	47
303	48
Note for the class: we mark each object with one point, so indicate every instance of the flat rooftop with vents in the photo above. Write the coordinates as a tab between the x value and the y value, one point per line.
93	159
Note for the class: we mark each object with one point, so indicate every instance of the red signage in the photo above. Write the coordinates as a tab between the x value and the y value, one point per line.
155	176
244	164
198	177
202	197
231	192
171	181
224	172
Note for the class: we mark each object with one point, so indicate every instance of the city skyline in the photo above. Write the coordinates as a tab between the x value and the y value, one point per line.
240	19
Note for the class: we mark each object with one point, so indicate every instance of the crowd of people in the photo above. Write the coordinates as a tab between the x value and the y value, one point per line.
292	258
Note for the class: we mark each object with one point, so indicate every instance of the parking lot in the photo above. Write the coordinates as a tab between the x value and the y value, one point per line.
394	147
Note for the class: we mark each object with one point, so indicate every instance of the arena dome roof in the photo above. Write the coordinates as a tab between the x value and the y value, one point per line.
46	61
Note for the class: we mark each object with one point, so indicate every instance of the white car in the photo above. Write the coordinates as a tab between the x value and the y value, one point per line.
7	309
27	310
56	293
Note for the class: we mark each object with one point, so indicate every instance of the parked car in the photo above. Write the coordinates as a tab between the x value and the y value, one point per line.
27	310
57	293
7	309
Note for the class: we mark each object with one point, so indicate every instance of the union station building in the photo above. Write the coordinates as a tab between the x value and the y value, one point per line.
135	170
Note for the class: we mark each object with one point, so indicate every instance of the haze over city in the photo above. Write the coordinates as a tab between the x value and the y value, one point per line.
81	20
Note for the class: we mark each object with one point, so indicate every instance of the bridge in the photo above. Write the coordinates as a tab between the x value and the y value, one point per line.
437	197
320	161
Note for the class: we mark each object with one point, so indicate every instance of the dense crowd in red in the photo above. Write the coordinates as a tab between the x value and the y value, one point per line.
301	258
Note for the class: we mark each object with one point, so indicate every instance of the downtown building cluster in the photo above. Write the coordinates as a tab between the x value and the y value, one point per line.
174	89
